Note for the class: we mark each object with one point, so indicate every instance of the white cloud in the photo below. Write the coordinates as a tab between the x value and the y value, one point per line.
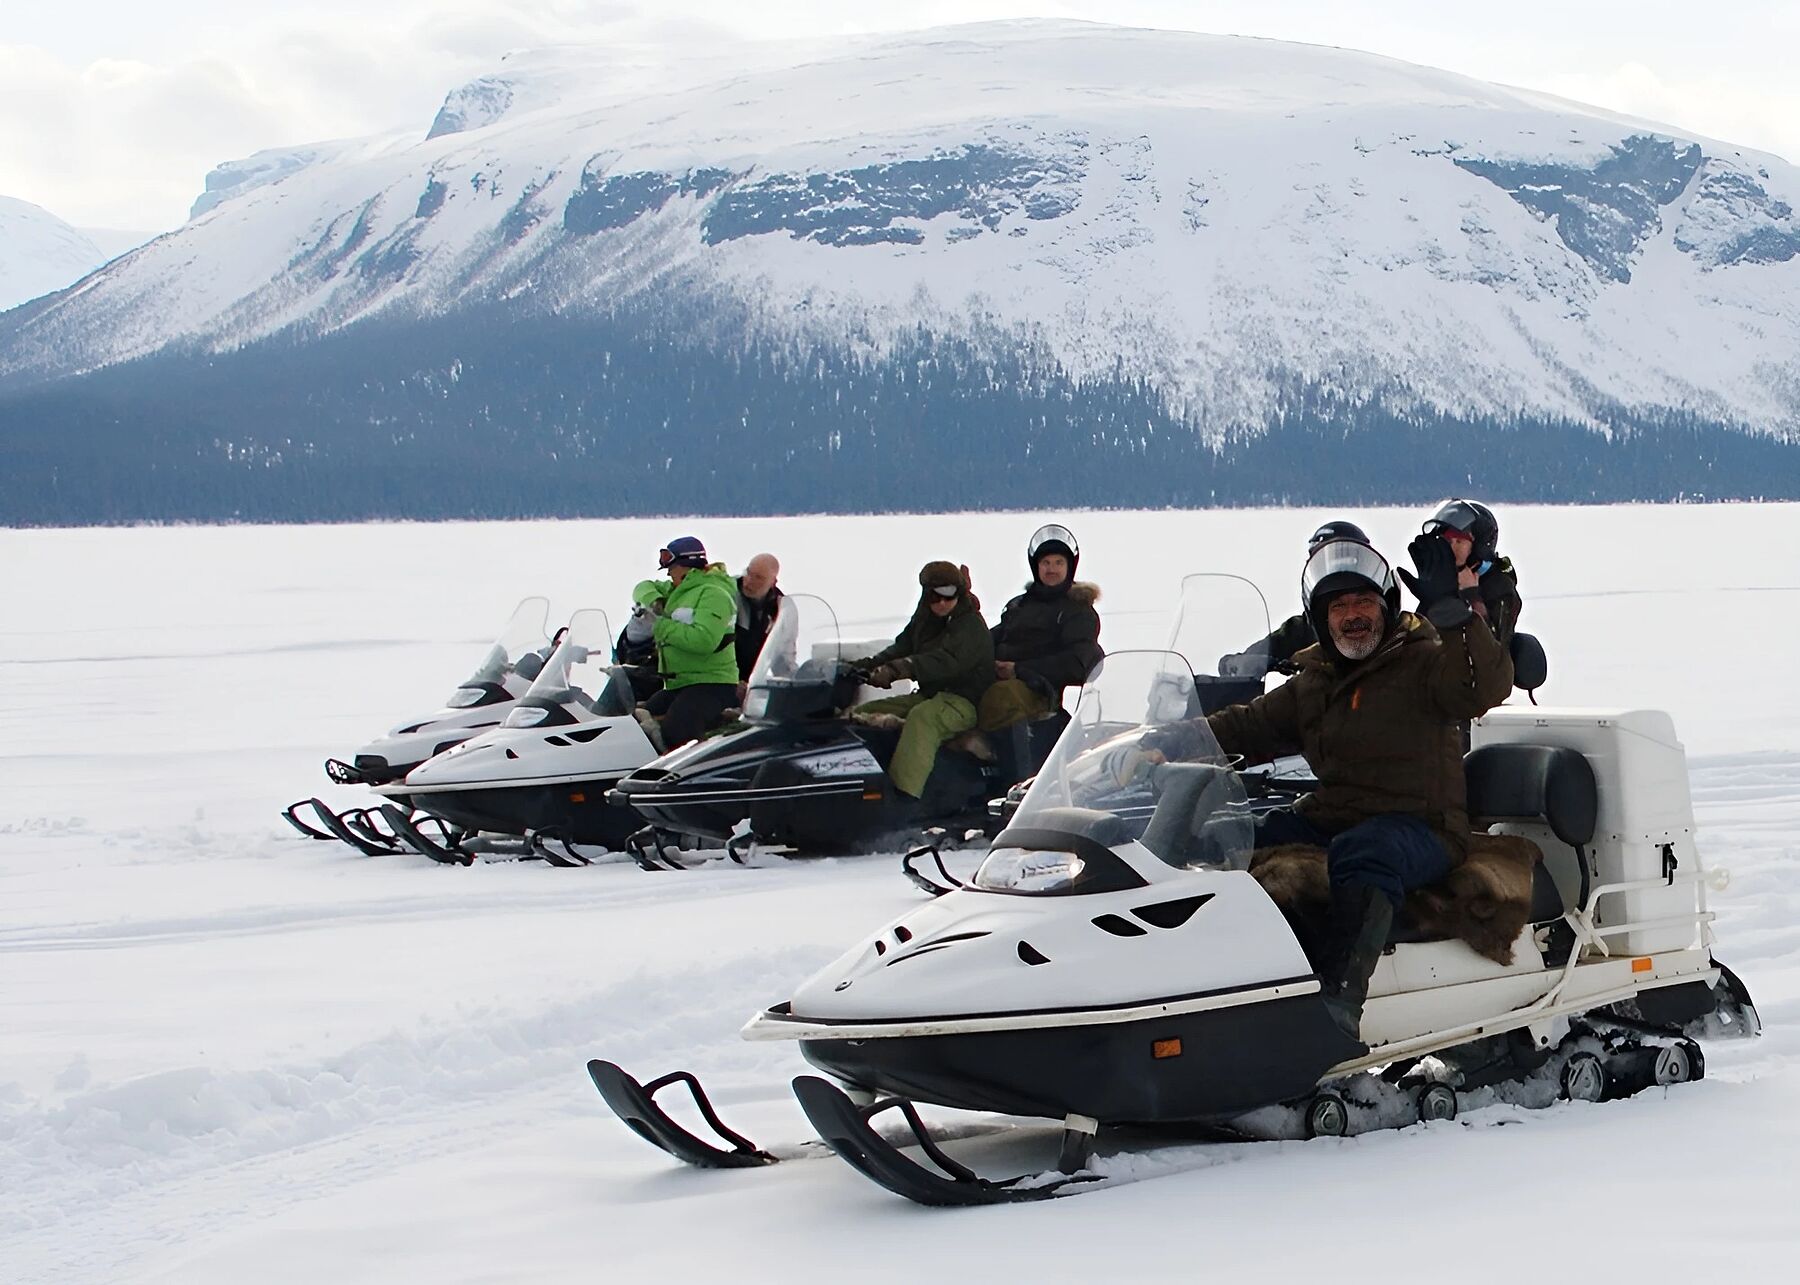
111	112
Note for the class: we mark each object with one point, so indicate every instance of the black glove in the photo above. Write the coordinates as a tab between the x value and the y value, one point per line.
1435	585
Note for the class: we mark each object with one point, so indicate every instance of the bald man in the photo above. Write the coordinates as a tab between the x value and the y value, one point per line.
757	598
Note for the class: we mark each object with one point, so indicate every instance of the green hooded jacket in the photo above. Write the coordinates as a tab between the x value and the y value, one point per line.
700	650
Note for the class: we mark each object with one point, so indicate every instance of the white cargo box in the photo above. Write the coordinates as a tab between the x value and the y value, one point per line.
1645	820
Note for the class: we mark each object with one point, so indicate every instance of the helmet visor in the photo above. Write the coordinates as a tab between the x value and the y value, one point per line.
1349	559
1045	534
1453	515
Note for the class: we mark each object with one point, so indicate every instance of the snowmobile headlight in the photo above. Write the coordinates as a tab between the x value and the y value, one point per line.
1027	870
526	716
465	698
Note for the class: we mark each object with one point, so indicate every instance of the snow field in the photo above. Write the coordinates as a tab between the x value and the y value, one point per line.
233	1053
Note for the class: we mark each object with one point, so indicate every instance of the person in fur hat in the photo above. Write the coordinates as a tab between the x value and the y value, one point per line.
1377	707
945	649
1048	639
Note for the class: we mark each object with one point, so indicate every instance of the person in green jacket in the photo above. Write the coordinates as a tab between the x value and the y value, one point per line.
946	649
696	617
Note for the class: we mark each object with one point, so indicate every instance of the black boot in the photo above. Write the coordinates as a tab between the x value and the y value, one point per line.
1361	917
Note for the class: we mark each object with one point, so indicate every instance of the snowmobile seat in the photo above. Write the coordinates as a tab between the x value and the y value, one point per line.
1546	793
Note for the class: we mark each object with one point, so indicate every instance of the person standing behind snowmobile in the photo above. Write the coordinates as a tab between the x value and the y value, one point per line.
695	610
1277	651
1377	708
946	649
1048	637
758	599
1487	580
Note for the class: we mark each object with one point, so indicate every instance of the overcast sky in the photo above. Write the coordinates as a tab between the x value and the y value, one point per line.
112	111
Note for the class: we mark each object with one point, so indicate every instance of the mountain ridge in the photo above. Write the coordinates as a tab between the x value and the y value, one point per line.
1207	222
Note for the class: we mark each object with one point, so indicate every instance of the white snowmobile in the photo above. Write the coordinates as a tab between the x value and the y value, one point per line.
544	773
1108	968
481	701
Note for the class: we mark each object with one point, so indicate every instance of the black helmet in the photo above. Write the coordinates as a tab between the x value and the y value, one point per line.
1474	520
1343	566
1052	539
1338	530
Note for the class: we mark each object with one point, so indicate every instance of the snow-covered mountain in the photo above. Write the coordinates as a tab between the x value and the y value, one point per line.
40	253
1237	230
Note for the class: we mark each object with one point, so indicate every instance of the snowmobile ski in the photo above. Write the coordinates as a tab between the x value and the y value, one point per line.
846	1129
291	814
366	842
635	1104
446	847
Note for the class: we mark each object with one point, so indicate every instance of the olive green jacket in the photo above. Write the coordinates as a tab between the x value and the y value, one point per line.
951	654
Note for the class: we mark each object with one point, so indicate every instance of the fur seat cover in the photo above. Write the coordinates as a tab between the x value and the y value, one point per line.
1485	901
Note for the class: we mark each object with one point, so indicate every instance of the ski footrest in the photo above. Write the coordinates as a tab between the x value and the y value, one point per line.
447	847
846	1129
635	1104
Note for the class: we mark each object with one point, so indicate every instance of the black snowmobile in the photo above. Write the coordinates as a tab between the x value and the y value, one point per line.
796	773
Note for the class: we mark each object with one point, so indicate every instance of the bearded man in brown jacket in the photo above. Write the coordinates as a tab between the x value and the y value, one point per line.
1377	709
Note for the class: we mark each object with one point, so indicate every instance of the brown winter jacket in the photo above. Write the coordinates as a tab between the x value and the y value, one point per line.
1384	735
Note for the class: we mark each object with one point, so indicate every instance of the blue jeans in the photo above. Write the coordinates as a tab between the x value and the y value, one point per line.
1395	853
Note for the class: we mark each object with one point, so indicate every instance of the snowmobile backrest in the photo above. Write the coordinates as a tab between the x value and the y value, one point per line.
1530	665
1532	782
529	666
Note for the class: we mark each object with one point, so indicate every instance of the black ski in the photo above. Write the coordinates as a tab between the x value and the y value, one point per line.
368	843
635	1104
846	1130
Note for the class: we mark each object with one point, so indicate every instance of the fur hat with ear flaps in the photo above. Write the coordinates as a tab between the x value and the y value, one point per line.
942	575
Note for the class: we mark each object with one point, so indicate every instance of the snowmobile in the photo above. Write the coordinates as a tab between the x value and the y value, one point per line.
796	774
544	773
1110	969
481	701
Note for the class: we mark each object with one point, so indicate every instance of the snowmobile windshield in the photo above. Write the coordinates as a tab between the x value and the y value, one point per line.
522	636
1137	761
1221	627
576	672
799	665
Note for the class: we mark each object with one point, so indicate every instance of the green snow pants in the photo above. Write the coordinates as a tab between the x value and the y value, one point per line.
930	721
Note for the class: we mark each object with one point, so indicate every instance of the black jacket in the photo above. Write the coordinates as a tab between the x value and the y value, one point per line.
1052	637
754	620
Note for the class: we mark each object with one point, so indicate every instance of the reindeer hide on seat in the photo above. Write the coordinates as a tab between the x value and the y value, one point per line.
1485	901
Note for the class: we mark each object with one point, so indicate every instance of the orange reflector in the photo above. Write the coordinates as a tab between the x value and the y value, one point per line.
1641	965
578	798
1165	1048
871	796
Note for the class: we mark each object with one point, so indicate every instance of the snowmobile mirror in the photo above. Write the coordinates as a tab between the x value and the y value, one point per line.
1530	665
